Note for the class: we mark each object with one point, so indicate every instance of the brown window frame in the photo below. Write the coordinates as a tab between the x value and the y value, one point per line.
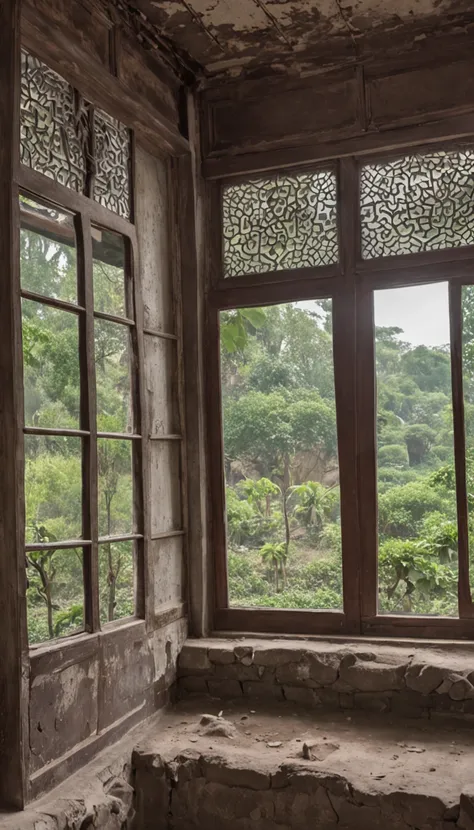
87	213
350	283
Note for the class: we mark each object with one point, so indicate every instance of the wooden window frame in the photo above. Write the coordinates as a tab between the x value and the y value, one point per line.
87	213
350	283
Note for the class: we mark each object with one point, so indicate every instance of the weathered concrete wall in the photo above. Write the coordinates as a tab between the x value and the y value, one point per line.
208	791
408	682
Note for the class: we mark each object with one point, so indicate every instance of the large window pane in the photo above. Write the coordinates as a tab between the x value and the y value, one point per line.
115	486
417	499
55	594
53	488
108	272
48	260
116	580
281	463
112	365
280	222
417	203
50	366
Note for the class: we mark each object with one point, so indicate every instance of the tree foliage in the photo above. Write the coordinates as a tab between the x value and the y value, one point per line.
280	439
53	474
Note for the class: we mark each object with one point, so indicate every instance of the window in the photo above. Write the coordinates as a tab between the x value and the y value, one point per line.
280	451
418	551
417	203
66	139
341	436
82	432
280	223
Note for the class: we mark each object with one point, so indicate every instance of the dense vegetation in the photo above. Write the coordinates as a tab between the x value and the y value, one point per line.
283	506
53	464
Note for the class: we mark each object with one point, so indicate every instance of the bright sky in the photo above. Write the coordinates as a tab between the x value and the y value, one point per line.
421	311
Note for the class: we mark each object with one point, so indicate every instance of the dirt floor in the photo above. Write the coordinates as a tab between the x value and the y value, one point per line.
374	752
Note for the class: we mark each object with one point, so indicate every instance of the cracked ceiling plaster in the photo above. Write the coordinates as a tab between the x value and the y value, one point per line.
235	36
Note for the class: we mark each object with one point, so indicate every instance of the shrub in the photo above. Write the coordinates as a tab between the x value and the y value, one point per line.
394	455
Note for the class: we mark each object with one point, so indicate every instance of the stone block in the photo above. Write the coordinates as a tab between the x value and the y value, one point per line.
329	697
357	816
225	689
304	696
123	791
232	774
194	660
445	686
371	676
341	686
324	667
295	674
461	689
277	656
424	678
444	703
263	690
192	685
221	656
244	653
466	812
372	702
346	700
236	671
410	704
415	808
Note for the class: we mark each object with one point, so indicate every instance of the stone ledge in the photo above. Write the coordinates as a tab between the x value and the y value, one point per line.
412	681
371	776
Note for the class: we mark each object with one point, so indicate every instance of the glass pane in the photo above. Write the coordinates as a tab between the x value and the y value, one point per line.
48	262
108	272
53	124
55	593
53	488
50	366
115	487
112	365
112	178
281	463
468	384
116	580
278	223
417	203
417	499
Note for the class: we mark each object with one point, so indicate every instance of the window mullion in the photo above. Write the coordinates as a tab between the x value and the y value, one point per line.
455	320
89	423
344	346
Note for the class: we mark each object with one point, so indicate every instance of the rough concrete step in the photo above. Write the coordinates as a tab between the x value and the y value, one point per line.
364	771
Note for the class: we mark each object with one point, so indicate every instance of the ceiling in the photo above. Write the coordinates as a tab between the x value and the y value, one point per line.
234	36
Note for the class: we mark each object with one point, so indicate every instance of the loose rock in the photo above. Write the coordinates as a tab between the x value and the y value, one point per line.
317	751
216	726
